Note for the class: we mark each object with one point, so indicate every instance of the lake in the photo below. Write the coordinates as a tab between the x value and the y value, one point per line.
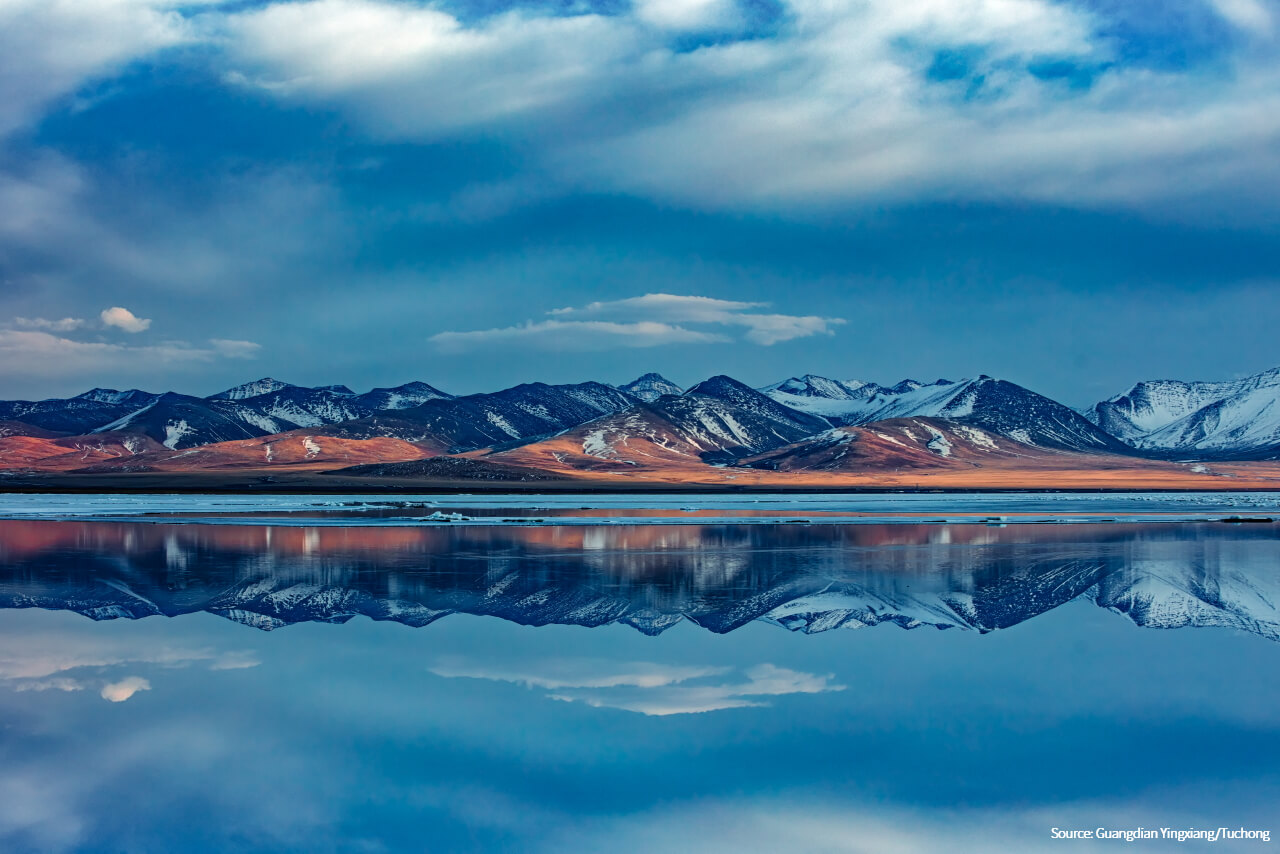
594	673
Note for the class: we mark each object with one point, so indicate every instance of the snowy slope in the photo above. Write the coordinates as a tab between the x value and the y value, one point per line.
132	397
251	389
518	414
856	402
995	405
1219	419
717	421
178	421
295	406
821	388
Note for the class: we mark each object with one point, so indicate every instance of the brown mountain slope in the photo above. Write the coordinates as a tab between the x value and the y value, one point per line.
908	452
285	450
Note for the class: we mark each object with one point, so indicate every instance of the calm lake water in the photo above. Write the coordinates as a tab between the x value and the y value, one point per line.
343	684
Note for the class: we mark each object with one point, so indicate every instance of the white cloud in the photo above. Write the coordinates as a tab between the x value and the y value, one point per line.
836	108
66	324
574	335
648	688
1250	15
233	349
50	656
58	683
412	69
50	48
651	320
579	673
670	307
122	318
118	692
765	329
236	660
38	354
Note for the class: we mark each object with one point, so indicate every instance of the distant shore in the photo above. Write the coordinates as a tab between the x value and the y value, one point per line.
255	482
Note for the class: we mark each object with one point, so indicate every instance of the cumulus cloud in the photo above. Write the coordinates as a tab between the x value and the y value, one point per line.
122	318
649	688
646	321
118	692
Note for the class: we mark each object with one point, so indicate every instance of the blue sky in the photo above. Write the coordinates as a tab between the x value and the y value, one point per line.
1074	196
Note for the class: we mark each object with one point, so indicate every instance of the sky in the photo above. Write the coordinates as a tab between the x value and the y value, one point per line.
1072	195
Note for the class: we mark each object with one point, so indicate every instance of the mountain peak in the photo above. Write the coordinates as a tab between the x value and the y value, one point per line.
719	385
111	395
266	385
812	385
651	386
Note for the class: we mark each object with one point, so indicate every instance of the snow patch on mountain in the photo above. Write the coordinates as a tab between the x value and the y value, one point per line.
938	442
175	432
266	385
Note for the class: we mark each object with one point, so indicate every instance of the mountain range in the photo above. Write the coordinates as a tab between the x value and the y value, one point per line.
802	424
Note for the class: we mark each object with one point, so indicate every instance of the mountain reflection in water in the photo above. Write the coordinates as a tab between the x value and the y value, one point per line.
803	578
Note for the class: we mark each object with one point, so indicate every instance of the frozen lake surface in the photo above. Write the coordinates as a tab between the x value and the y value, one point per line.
591	509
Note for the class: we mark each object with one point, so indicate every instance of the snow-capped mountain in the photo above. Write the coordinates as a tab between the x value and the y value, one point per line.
178	421
131	397
1237	418
957	577
812	387
252	389
294	406
716	421
404	396
513	415
65	415
731	419
854	401
897	444
994	405
650	387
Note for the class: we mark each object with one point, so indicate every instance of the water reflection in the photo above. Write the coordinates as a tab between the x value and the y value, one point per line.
710	731
804	578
